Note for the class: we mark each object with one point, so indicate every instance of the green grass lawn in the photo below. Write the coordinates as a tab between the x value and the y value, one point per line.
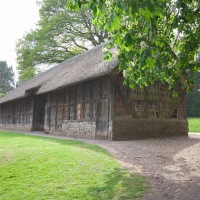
34	167
194	124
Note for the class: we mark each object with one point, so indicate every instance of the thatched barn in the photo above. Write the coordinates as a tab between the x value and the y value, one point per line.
85	97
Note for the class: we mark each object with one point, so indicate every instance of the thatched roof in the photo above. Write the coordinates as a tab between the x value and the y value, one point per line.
86	66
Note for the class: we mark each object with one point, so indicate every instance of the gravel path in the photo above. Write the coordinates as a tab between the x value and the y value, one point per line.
171	165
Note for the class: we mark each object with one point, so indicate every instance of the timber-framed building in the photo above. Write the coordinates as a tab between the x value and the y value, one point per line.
85	97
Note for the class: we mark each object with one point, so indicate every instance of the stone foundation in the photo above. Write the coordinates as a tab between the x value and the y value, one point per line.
129	129
82	129
121	129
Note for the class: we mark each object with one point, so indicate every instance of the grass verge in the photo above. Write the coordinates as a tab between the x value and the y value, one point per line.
33	167
194	124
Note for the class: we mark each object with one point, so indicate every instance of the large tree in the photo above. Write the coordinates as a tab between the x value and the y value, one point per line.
60	34
156	39
6	78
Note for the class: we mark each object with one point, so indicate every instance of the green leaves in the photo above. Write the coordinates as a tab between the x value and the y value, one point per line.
134	7
151	7
114	23
156	39
107	56
128	40
93	7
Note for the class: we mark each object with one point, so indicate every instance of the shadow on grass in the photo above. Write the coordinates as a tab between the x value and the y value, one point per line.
119	185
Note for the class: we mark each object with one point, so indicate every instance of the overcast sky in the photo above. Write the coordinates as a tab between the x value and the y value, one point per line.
16	18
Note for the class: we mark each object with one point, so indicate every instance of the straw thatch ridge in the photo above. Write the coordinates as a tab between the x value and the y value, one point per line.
88	65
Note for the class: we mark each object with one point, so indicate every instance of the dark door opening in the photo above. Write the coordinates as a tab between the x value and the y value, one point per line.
39	113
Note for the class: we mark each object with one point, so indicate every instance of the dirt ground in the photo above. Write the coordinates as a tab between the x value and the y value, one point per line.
171	165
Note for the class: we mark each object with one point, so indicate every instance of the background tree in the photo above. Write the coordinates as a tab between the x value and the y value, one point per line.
156	39
6	78
60	34
193	99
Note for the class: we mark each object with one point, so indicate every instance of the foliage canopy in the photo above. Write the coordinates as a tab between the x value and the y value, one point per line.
156	39
60	34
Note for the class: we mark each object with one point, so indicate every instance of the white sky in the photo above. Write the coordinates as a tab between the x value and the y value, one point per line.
16	18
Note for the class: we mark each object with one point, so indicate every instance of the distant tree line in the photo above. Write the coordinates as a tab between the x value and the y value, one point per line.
193	99
6	78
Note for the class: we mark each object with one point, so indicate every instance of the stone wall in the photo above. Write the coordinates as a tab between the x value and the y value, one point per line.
127	129
82	129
